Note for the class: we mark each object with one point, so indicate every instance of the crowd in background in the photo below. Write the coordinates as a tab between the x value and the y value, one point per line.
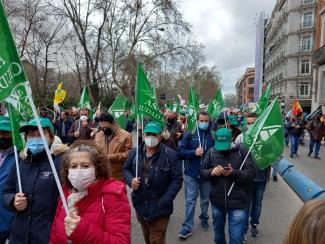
96	159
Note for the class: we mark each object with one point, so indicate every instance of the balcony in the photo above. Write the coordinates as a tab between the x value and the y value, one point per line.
319	55
307	26
305	4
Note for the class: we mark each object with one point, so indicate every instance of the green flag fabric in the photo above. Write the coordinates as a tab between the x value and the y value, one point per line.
118	110
193	108
20	112
146	103
268	132
11	70
264	100
216	105
84	99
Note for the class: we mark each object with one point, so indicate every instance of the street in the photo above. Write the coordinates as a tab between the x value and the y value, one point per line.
280	205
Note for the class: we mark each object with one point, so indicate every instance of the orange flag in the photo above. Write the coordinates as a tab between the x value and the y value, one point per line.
296	108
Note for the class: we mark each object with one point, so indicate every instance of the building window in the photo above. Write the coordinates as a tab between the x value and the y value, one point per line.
322	89
323	31
306	2
307	20
306	43
251	91
305	67
251	81
304	89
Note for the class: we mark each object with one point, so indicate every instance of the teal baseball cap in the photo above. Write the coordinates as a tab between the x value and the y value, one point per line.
153	127
45	123
232	120
5	124
223	139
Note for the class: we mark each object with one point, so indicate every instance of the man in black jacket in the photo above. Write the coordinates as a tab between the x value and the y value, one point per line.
155	187
62	127
221	166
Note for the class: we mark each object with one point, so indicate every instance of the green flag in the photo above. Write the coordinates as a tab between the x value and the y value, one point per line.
84	99
264	100
20	112
268	132
193	108
118	110
216	105
11	70
146	103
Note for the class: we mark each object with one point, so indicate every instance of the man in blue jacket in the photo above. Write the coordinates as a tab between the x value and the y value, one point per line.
6	161
155	187
193	148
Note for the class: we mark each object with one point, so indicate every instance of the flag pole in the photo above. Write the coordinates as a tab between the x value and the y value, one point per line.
242	165
55	174
198	134
18	171
137	149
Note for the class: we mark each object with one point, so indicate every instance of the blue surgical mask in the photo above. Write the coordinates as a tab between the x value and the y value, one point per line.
35	145
203	126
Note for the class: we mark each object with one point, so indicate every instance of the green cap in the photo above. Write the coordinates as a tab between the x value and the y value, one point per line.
5	123
152	127
45	123
232	120
223	139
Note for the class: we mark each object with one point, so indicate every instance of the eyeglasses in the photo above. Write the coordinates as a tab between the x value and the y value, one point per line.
83	114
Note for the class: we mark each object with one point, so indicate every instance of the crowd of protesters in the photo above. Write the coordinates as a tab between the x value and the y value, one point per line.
96	159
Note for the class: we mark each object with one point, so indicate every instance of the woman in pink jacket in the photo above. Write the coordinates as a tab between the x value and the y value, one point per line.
99	210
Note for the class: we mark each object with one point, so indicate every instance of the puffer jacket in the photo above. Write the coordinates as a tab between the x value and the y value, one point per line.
105	216
117	149
220	185
33	225
154	199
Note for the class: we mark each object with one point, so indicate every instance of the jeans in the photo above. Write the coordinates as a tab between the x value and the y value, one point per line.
193	187
317	147
255	206
294	140
4	236
236	224
286	140
275	167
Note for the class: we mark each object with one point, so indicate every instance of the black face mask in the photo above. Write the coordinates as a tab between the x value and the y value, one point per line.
108	131
97	119
5	143
171	120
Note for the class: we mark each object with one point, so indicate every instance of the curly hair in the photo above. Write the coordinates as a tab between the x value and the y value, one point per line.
97	155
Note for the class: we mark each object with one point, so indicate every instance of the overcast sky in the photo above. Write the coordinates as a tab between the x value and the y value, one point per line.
227	30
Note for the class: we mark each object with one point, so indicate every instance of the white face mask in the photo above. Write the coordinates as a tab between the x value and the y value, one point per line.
81	178
83	118
151	141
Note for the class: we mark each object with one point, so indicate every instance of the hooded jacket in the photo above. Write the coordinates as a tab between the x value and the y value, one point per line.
33	225
105	216
220	185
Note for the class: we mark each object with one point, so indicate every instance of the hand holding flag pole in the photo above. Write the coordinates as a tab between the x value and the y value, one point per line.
242	165
55	174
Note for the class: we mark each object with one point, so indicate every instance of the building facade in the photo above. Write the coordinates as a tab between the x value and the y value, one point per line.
319	57
245	87
289	46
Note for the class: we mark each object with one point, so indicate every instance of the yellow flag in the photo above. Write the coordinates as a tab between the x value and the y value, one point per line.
59	95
